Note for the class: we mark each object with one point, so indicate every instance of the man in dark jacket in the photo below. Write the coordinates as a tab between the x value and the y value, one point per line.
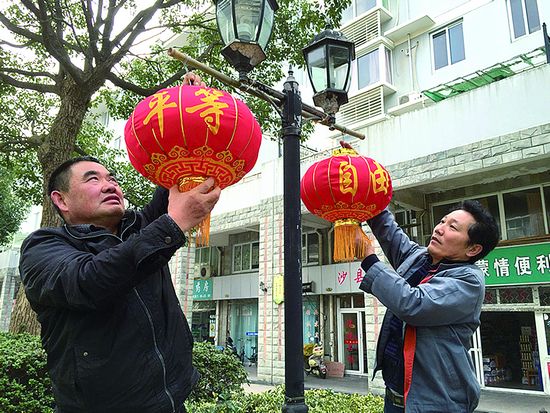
433	298
112	327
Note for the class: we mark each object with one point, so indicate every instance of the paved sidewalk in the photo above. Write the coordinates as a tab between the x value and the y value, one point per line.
491	401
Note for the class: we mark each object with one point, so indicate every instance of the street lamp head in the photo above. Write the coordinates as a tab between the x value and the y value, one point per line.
245	27
328	59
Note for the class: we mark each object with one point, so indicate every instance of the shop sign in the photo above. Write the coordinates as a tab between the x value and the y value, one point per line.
202	289
519	264
278	289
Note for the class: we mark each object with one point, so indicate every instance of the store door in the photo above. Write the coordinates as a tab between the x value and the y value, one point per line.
352	341
476	354
244	329
543	329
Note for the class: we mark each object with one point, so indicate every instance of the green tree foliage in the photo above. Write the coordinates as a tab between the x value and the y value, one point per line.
12	208
55	57
296	22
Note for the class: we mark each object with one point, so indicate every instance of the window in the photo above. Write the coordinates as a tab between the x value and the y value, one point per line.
207	256
489	202
408	222
546	191
310	248
524	16
371	70
448	46
202	255
352	301
523	213
246	257
356	8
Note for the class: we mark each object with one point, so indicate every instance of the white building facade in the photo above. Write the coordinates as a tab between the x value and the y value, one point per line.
454	99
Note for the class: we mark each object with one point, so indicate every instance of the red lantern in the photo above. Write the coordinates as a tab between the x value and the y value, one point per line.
185	134
346	189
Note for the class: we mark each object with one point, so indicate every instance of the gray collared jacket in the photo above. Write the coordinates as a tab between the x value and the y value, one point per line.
445	311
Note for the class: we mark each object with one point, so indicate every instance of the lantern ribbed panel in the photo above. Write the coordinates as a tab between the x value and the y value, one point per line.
185	134
346	189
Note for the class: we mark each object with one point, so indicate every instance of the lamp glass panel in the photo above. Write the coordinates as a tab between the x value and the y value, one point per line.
339	60
225	21
247	14
317	67
267	25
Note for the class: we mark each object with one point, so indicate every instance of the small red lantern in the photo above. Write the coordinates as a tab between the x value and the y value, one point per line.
185	134
346	189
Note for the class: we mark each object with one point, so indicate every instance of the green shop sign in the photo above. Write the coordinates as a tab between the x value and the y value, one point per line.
202	289
520	264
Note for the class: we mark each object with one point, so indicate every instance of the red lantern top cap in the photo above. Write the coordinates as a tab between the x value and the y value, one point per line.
344	151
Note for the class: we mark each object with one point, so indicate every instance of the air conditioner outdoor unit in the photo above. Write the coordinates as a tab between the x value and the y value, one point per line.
411	97
204	271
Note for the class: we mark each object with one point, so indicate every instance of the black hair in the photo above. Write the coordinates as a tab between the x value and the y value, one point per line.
485	230
60	177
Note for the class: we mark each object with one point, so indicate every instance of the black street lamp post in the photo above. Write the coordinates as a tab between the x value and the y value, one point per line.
245	27
294	359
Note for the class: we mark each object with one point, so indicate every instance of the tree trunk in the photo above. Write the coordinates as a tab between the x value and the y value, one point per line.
23	318
56	149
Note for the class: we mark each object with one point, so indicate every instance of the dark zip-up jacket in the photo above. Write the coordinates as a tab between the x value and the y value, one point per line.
116	338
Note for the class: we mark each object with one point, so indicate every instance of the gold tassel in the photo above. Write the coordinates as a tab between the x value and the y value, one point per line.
345	233
202	231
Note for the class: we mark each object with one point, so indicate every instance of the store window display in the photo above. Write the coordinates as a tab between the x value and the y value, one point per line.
510	350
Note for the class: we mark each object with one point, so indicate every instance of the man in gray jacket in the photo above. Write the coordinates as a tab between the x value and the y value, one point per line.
433	298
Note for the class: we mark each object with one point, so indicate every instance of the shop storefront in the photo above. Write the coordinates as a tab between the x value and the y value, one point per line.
510	350
203	320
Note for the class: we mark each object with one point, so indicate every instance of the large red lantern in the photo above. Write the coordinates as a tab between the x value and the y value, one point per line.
185	134
346	189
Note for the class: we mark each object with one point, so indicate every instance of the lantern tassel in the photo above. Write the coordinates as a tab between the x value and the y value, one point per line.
346	232
202	231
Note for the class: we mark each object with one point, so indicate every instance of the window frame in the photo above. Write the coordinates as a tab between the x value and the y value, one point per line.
446	30
353	6
305	248
502	212
251	266
385	73
525	19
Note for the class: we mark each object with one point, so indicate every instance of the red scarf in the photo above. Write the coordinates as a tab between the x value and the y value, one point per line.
409	348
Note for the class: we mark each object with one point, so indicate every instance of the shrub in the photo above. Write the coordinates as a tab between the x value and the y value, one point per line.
222	374
24	383
271	401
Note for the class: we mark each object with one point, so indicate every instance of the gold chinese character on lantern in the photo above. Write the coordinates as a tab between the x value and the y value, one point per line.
211	109
348	178
157	105
380	179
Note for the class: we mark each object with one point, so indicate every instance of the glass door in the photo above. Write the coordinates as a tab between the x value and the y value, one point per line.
352	346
